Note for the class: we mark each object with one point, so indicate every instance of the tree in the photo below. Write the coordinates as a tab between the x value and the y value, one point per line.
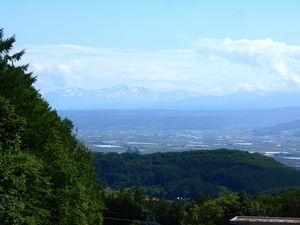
291	204
24	190
46	174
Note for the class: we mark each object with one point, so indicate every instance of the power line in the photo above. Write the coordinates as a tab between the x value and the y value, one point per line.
120	213
120	219
146	222
150	219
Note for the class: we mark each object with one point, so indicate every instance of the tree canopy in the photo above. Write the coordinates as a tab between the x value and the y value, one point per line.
46	174
185	174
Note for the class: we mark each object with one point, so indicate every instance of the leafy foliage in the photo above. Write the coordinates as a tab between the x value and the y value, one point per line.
184	174
46	175
203	209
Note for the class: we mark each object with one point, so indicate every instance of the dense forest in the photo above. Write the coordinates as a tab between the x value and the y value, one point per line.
47	176
184	174
133	205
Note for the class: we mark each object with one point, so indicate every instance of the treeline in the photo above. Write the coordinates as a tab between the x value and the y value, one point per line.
185	174
46	175
131	206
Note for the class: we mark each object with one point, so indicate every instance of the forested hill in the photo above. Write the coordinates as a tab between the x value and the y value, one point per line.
184	174
46	175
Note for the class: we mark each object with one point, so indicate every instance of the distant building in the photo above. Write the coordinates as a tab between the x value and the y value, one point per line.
255	220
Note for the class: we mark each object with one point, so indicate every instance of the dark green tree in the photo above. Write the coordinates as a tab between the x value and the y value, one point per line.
46	174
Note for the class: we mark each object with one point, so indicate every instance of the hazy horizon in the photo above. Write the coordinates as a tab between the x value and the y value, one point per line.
159	45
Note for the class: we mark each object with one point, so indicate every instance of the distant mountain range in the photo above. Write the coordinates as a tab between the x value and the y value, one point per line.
290	128
116	97
123	97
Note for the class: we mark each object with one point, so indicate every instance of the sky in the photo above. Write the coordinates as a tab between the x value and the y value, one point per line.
211	47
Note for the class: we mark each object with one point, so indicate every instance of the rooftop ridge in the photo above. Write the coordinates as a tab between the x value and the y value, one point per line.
264	220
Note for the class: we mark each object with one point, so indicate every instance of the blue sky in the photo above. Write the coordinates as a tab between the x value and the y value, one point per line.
212	47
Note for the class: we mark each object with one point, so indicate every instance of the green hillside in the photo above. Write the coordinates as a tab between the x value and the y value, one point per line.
184	174
46	175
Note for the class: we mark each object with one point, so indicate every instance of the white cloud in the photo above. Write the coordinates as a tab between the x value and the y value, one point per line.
64	69
267	56
213	67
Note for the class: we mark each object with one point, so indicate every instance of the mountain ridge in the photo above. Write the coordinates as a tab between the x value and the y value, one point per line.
292	127
124	97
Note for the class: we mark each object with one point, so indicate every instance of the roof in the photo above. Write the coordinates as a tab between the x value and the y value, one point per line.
264	220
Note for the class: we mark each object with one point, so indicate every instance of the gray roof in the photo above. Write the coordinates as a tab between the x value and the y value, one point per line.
264	220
